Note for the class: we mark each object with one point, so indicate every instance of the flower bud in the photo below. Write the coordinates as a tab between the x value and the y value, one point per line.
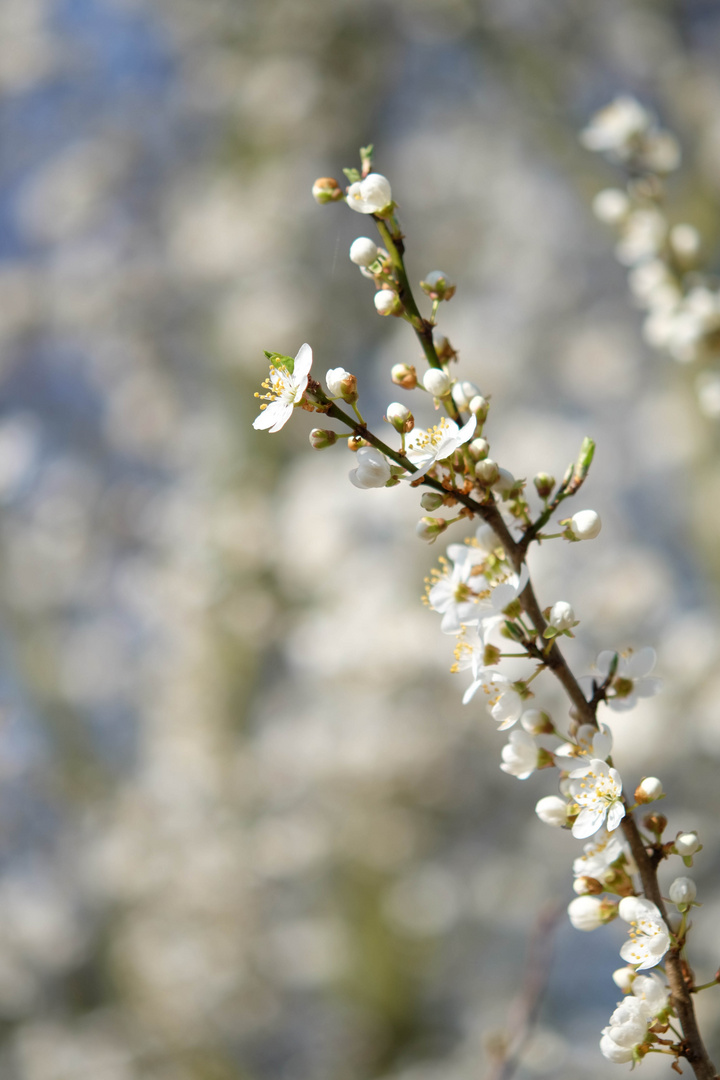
487	472
373	195
587	886
536	722
562	616
655	823
429	528
611	206
685	243
478	449
624	978
505	482
589	912
552	810
436	382
320	438
648	790
544	484
325	190
387	302
342	384
363	252
431	501
443	348
682	891
355	442
687	843
585	524
479	408
404	375
400	417
463	393
437	286
487	539
372	469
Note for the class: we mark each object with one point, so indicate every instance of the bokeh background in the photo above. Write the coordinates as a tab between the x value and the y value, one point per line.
247	831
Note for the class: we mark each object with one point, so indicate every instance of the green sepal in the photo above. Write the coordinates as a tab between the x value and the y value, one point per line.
353	175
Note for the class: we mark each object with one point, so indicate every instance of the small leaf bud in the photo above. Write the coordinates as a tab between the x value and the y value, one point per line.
656	823
429	528
562	616
552	810
363	252
687	843
463	393
326	190
320	439
400	417
478	449
585	524
624	978
387	302
544	484
587	886
584	460
487	472
682	892
536	722
648	790
404	375
436	382
437	286
479	407
431	501
589	912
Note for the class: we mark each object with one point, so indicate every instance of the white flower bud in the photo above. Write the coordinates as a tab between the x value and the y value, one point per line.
562	616
687	843
371	195
334	380
614	1052
685	242
404	375
436	382
536	722
505	482
479	448
386	302
552	810
372	471
682	891
585	524
429	528
325	190
463	393
320	438
586	912
479	408
363	252
624	978
431	501
611	206
648	789
400	416
487	471
487	538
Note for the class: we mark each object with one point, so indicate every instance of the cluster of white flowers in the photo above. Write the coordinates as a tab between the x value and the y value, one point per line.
643	1006
663	260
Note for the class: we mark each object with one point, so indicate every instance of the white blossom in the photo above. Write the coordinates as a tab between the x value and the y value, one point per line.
630	680
456	594
520	755
683	891
463	393
597	789
562	616
649	937
590	741
599	855
426	448
284	390
372	469
371	195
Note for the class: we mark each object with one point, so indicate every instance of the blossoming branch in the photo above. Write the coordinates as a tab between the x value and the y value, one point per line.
486	600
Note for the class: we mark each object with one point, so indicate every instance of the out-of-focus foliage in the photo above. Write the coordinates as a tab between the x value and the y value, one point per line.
248	832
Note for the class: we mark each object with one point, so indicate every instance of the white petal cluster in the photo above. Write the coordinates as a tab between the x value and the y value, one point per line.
626	131
371	195
649	938
597	790
628	1027
426	448
284	389
631	679
598	856
520	755
372	469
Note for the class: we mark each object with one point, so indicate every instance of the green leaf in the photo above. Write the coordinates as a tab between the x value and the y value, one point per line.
352	174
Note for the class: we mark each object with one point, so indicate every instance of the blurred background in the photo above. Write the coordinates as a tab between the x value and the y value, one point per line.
247	830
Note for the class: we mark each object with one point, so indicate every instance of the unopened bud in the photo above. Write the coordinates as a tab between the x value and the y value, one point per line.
400	417
436	382
611	206
589	912
536	722
342	384
387	302
655	823
443	348
404	375
682	892
487	539
587	886
320	439
429	528
363	252
431	501
648	790
585	524
687	843
685	242
463	393
624	978
505	482
479	407
478	449
437	286
562	616
487	472
552	810
355	442
544	484
325	190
